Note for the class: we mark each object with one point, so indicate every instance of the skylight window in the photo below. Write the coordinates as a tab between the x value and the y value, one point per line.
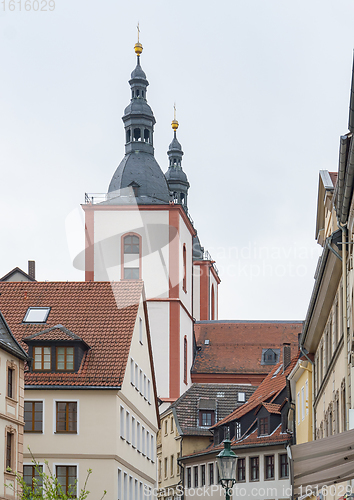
241	397
36	315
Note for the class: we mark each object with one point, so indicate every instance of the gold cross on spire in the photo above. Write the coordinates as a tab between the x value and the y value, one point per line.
174	121
138	47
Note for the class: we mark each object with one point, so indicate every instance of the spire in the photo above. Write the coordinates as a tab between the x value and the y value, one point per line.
139	170
176	178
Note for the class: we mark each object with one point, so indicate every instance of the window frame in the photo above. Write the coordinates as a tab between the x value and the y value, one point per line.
123	253
211	477
254	467
65	369
76	465
206	412
269	466
55	415
241	467
33	411
263	426
33	467
36	322
282	464
42	347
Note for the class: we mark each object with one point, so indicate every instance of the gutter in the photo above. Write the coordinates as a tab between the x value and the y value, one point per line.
71	387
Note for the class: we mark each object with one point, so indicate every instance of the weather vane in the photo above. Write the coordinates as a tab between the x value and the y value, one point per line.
138	31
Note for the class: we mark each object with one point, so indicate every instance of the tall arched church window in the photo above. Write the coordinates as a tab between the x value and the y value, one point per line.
184	285
131	257
212	302
185	359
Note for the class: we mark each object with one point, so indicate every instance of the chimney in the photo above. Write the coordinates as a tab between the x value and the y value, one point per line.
32	269
286	355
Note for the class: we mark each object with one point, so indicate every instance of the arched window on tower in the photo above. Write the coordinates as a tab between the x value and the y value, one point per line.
131	256
137	134
128	136
146	135
212	302
185	359
184	285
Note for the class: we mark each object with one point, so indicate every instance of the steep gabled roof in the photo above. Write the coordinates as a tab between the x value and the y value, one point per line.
236	346
15	270
8	342
271	408
102	314
223	397
270	388
55	333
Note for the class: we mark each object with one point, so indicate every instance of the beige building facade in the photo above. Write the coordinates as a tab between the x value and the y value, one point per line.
12	358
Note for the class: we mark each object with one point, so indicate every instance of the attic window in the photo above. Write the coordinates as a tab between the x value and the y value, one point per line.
220	395
270	356
206	342
206	418
241	397
277	371
36	315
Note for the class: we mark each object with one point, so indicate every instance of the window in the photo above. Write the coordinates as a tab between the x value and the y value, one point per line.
148	444
206	418
189	477
136	377
145	388
143	440
237	430
166	424
307	396
132	371
130	487
65	358
241	469
140	330
10	382
125	486
212	302
195	473
127	426
269	466
263	426
122	422
152	448
171	424
283	466
166	466
254	466
120	485
270	356
138	437
185	361
184	285
298	408
33	412
31	477
211	474
202	470
141	388
241	397
133	432
172	463
36	315
131	246
67	475
9	450
302	403
42	358
66	416
149	392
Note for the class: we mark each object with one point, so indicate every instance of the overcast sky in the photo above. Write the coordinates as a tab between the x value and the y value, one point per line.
262	92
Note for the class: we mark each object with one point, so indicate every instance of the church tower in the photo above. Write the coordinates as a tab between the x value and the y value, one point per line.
141	229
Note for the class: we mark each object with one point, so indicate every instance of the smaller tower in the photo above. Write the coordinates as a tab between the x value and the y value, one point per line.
176	178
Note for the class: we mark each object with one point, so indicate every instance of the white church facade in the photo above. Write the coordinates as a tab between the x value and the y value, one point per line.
141	229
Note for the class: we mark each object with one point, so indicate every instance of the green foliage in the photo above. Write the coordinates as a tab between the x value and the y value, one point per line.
47	487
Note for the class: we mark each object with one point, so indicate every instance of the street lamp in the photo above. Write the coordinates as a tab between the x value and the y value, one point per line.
226	461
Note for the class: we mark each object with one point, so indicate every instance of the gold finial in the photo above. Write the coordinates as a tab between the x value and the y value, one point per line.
174	121
138	47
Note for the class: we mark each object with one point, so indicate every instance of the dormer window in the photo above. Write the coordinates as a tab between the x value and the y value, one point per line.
65	358
263	426
206	418
36	315
42	358
270	356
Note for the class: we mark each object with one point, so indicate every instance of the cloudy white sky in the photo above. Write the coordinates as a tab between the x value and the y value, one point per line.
262	91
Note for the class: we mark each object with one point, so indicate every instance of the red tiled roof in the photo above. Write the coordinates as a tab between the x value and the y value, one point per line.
103	314
236	347
272	408
269	389
57	332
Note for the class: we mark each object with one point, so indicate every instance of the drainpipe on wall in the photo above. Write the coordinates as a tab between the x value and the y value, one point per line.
345	305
